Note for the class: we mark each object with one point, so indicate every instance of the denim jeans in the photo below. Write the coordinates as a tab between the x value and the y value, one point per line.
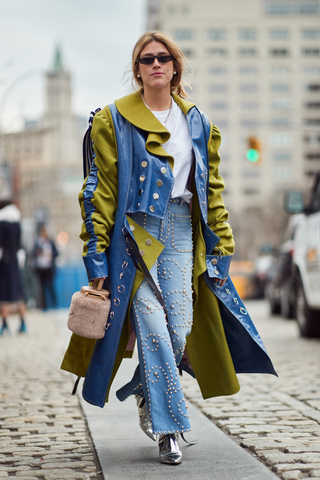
161	346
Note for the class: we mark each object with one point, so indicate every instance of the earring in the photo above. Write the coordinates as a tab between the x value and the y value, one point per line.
138	76
174	73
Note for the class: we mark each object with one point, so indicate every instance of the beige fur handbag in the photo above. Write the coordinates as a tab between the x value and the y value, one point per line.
89	311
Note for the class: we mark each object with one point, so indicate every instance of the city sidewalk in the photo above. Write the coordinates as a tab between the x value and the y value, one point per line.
277	419
44	433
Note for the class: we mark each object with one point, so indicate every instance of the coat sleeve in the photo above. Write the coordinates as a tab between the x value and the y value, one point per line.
217	212
98	197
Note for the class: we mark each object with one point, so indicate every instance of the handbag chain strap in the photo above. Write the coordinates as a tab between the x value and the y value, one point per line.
137	259
87	146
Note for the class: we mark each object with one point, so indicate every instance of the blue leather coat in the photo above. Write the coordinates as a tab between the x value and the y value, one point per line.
141	175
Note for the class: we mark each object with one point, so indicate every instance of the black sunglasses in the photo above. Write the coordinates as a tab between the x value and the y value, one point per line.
150	60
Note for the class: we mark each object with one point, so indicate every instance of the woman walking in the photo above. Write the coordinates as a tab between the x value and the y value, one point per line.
11	287
154	192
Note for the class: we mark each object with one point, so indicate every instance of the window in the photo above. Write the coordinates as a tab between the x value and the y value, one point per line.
218	88
254	173
279	52
312	105
281	104
216	52
281	157
279	34
312	87
217	70
312	156
308	9
248	71
312	70
279	70
250	191
217	34
188	53
247	34
281	122
221	123
311	34
278	8
225	141
281	139
247	52
249	105
280	87
311	52
312	139
248	122
294	7
219	105
311	121
283	175
248	87
183	34
311	173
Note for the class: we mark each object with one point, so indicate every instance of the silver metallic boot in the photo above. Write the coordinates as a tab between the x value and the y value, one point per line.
169	448
144	420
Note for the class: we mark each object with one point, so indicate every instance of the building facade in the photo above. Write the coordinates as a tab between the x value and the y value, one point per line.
45	161
257	76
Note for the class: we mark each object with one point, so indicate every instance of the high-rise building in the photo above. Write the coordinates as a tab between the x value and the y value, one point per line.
257	76
45	161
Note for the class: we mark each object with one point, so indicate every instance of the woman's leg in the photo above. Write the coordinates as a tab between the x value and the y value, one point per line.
160	347
22	312
41	293
158	369
4	314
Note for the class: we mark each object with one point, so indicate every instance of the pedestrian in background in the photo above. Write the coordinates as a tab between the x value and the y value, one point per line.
45	254
11	287
155	182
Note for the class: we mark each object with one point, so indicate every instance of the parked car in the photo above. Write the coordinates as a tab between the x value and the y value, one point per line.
306	261
280	289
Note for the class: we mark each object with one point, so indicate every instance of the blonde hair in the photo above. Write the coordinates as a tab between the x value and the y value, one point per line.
179	60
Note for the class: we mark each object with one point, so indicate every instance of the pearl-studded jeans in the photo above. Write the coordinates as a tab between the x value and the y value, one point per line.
160	347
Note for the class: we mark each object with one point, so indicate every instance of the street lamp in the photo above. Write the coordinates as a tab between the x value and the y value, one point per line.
24	76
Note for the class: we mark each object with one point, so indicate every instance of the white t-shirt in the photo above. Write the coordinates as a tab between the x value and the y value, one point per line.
179	146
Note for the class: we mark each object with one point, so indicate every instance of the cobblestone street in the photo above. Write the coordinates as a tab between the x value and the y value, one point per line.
276	419
43	432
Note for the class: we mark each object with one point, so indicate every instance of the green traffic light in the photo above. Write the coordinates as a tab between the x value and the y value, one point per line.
253	155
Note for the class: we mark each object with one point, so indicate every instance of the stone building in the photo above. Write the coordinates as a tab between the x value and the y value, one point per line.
256	75
46	161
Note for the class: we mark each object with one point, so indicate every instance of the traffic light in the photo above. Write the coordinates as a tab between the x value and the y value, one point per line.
254	150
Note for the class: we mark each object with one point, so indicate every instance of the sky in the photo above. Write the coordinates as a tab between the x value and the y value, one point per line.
96	39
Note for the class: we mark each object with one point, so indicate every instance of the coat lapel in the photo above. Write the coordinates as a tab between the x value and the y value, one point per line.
133	109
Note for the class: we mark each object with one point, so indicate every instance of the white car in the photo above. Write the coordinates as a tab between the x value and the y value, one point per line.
306	265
